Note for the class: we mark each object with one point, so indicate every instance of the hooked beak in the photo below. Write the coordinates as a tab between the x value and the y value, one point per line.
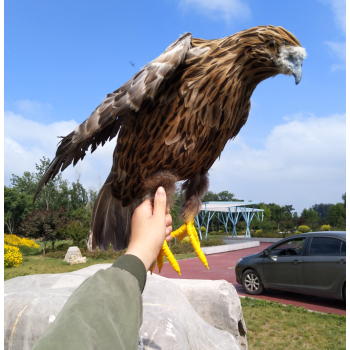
290	61
295	63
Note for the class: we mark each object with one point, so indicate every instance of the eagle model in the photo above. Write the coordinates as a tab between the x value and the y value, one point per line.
173	119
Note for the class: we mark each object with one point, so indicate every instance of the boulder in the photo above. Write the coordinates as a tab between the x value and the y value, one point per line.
76	260
174	316
72	251
218	303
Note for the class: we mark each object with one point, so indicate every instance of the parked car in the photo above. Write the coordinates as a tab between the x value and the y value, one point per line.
311	263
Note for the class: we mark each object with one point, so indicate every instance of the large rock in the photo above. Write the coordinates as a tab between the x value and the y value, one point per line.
76	260
218	303
177	314
72	251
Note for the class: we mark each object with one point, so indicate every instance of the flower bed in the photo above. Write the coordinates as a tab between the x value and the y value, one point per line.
14	247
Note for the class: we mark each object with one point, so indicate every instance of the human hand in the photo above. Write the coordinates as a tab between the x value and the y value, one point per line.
149	227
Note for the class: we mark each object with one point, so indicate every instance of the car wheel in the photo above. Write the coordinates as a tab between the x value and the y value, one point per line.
252	282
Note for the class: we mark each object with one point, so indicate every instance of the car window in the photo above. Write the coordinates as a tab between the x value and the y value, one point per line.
325	246
343	248
292	247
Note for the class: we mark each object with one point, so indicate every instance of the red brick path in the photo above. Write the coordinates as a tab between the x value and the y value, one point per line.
221	269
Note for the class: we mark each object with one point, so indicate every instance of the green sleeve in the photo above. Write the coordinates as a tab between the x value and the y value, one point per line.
104	312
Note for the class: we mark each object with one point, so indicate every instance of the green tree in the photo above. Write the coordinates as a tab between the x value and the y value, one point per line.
311	216
45	224
226	196
81	215
322	209
78	196
16	207
276	214
210	197
53	195
337	215
295	219
77	232
175	209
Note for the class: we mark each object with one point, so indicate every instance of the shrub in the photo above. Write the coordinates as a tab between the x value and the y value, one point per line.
96	254
214	233
211	242
182	248
221	231
58	254
185	240
12	256
298	233
257	232
102	254
26	246
62	246
203	229
325	227
304	229
76	232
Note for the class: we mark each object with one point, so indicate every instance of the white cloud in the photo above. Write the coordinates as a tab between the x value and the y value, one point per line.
302	163
226	9
27	141
339	12
28	107
337	50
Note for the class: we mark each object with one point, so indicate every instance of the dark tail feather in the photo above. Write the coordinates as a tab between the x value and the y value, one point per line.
111	222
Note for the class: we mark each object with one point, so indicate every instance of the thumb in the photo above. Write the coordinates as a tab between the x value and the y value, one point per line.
160	204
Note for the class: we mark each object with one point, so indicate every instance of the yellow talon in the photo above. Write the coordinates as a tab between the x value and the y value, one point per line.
160	260
169	255
152	267
180	233
192	233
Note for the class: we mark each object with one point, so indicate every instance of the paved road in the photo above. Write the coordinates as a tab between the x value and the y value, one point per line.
222	267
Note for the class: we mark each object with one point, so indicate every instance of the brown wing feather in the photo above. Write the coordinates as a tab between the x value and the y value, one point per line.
104	123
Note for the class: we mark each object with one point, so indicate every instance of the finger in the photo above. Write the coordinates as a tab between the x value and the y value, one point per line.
168	220
168	238
159	204
167	209
145	207
168	230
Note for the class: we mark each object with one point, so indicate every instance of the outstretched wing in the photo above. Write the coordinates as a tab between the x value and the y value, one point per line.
105	121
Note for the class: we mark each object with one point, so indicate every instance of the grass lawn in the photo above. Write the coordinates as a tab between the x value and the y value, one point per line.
182	256
272	326
36	264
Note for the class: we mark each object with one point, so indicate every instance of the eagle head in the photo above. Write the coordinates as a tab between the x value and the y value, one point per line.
275	51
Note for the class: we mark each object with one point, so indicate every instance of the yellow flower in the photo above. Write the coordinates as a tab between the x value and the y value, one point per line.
12	256
19	242
12	243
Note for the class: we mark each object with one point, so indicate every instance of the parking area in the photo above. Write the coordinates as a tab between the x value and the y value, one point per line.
222	267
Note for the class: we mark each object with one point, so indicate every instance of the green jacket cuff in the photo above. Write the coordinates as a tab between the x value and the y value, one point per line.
135	266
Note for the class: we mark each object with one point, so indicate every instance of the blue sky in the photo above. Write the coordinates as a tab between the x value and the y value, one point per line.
63	57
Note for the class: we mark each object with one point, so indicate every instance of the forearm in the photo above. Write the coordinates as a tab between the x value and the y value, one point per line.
104	312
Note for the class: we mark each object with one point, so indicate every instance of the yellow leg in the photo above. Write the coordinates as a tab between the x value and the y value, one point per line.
169	255
180	233
192	233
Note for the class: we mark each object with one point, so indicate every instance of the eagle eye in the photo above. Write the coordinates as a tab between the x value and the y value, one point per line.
271	44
